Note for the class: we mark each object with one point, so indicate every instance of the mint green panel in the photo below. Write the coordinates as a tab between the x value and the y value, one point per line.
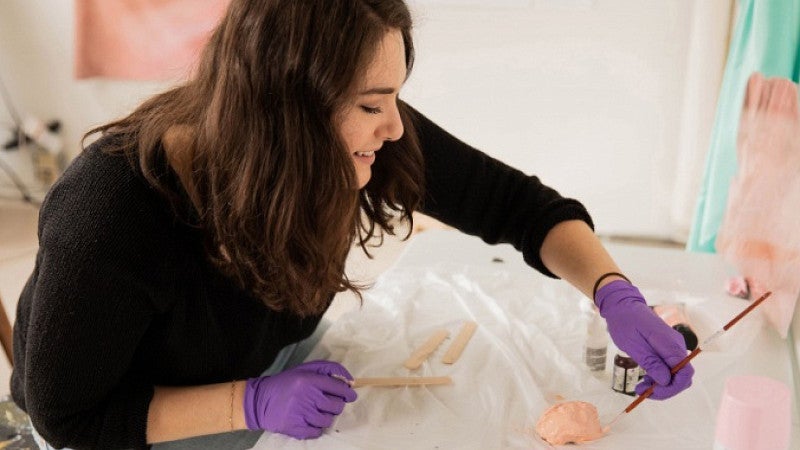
765	39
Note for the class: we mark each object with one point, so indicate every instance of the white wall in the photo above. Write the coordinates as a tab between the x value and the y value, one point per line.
588	94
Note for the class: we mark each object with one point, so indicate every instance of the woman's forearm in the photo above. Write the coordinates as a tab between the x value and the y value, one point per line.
183	412
572	251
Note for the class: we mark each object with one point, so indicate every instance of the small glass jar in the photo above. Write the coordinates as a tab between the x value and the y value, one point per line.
626	374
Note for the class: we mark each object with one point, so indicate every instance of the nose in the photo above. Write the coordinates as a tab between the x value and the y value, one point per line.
392	129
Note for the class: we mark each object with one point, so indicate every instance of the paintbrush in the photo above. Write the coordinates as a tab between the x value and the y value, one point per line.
688	358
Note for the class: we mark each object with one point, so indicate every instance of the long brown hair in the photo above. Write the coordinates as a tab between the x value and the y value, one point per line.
273	185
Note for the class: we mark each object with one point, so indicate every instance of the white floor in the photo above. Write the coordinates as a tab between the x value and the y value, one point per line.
18	246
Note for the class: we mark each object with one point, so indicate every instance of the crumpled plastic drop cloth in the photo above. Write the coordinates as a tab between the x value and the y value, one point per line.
525	355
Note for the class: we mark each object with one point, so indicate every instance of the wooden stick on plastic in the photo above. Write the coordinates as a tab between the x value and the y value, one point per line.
421	354
459	343
401	381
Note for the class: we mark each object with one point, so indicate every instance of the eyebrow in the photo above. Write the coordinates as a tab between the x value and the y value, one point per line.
378	90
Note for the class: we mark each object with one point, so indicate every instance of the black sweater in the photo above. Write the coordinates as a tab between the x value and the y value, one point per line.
122	298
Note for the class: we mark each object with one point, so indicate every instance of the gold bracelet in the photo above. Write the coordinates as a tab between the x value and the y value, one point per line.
230	413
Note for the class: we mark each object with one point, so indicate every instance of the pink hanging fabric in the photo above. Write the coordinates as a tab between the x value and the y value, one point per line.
142	39
759	234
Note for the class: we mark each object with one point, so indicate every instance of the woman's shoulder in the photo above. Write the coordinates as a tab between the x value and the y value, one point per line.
99	170
103	191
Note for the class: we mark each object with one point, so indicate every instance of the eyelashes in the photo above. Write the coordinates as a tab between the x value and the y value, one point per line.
371	110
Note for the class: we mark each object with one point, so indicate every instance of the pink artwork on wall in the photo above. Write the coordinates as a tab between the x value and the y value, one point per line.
142	39
759	234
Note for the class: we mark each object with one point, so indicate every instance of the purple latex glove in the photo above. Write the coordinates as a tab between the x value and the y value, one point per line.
300	402
640	333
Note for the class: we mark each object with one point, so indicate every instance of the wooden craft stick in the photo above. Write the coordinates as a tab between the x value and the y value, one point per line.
401	381
459	343
421	354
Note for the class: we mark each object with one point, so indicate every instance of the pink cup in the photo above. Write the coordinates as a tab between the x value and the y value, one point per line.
754	414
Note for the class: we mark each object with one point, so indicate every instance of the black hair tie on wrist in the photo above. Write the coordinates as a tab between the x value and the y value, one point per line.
603	277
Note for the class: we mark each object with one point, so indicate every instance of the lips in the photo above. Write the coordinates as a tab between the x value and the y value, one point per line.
365	154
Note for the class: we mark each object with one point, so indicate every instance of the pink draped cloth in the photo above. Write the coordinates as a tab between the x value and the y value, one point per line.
142	39
760	233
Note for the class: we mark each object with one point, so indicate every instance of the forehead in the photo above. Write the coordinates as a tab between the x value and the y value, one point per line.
388	66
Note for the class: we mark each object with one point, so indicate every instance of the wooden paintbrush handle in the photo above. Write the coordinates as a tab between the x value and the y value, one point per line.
673	371
694	353
747	310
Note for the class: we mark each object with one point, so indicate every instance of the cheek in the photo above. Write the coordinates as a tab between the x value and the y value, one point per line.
355	134
350	141
347	137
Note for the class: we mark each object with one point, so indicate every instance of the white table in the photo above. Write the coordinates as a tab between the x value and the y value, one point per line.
749	348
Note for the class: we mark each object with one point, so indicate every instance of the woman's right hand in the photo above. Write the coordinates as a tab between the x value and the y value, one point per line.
639	332
299	402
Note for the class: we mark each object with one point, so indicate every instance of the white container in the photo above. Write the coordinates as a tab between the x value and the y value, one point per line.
596	347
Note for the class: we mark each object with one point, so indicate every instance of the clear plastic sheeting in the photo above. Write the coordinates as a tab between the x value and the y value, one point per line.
526	354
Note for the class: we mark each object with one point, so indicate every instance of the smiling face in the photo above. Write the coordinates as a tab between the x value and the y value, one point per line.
371	117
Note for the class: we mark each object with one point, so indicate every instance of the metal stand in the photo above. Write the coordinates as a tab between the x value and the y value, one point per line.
6	168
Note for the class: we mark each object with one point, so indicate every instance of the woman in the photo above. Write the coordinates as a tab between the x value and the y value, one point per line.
206	231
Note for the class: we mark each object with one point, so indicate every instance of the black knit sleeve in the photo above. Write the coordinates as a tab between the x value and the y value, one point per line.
482	196
89	304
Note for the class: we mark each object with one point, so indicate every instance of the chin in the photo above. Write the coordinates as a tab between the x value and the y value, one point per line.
363	180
